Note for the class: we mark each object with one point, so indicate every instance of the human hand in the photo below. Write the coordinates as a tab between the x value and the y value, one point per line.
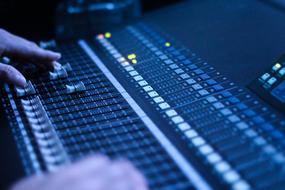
22	50
93	173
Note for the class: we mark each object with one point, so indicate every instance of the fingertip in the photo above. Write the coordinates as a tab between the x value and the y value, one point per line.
20	80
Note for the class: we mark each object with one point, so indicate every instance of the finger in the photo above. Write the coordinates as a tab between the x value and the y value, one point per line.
24	50
11	75
87	166
135	177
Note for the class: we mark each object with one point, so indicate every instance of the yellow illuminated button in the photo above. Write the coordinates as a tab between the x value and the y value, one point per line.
108	35
134	61
277	66
167	44
132	56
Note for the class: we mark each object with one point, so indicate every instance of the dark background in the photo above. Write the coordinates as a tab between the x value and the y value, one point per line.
34	19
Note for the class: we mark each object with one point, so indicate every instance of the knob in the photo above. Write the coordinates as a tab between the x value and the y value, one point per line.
27	90
78	87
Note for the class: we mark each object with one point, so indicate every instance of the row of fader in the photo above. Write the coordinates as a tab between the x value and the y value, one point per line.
49	145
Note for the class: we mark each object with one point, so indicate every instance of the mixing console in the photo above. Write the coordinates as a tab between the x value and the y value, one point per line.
136	93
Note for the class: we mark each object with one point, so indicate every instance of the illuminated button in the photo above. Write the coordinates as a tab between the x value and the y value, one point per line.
198	141
222	167
171	113
184	126
167	44
153	94
158	100
121	59
108	35
272	80
138	78
231	176
214	158
276	67
241	185
191	134
133	73
282	71
265	76
143	83
164	105
134	61
177	119
125	63
129	68
147	88
132	56
206	149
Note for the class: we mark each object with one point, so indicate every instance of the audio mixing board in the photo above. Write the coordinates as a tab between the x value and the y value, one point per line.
138	94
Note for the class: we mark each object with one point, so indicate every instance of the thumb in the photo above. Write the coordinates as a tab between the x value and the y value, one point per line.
11	75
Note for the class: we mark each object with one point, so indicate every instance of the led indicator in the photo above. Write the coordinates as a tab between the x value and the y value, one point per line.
108	35
134	61
277	66
167	44
100	36
132	56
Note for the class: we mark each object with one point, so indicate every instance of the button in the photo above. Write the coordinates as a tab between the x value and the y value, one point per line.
206	149
171	113
198	141
177	119
198	71
234	118
191	134
192	67
218	105
203	92
226	112
184	126
242	125
197	87
143	83
214	158
184	76
218	87
164	105
153	94
211	99
282	71
173	66
138	78
272	80
211	82
276	67
204	76
231	176
265	76
158	99
133	73
222	167
179	71
147	88
129	68
191	81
